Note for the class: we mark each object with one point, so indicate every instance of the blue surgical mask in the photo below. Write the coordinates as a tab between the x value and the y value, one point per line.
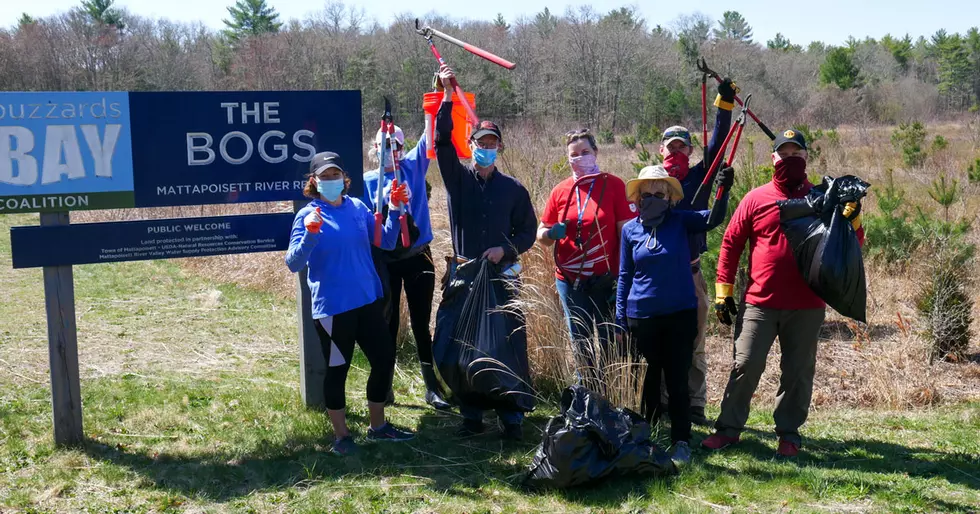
484	157
330	189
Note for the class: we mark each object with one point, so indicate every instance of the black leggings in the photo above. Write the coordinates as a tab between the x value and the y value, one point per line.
337	336
667	344
419	276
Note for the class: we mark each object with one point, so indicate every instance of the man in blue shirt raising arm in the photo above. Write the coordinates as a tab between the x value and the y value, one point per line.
490	216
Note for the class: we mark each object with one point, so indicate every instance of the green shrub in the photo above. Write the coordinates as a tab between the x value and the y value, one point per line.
628	142
944	302
606	137
909	138
939	143
973	172
892	236
813	138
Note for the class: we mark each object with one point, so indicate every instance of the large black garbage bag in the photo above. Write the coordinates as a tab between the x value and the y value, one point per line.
479	350
826	246
591	441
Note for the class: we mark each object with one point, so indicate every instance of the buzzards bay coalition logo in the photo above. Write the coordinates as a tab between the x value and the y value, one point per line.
65	151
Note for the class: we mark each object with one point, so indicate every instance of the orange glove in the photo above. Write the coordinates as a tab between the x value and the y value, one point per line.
399	195
313	221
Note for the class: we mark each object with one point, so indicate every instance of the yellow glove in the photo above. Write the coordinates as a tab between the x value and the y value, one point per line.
852	211
726	94
725	306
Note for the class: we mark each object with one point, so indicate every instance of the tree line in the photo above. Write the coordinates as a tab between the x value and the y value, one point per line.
612	71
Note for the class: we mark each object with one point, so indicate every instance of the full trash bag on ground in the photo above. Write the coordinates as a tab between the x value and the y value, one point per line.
590	441
479	351
826	245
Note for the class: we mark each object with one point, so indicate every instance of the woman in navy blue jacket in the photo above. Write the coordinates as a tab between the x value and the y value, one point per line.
332	236
656	300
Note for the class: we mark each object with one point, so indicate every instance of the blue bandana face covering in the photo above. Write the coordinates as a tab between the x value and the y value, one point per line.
330	189
485	157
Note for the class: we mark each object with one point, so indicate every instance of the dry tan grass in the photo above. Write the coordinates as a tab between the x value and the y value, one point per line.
883	364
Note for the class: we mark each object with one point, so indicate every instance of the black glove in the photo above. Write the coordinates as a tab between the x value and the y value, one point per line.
727	90
725	177
726	309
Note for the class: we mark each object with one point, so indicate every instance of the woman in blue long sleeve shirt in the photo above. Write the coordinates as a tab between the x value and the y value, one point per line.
411	268
656	300
332	237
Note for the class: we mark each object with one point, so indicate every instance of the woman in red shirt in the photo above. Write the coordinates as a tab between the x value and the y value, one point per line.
584	217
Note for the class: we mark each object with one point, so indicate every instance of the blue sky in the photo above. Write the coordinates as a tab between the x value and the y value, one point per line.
830	21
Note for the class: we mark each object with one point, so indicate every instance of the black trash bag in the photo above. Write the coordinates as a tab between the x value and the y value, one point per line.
591	441
479	351
826	246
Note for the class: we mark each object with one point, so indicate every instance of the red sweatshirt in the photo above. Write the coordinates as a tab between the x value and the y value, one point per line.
775	281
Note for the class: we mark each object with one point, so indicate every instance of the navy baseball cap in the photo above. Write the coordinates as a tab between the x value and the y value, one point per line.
789	136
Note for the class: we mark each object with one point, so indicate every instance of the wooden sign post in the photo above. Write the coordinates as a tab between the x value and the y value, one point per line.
312	365
59	302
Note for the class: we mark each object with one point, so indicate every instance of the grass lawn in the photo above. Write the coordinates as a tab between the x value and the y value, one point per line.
191	402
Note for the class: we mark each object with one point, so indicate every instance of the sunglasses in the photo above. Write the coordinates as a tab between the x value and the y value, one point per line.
685	135
658	194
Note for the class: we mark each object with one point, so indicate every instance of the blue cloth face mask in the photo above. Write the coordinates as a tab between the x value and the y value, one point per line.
330	189
484	157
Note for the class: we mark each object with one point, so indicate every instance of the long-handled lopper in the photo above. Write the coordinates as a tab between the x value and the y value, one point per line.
703	67
390	148
496	59
427	33
380	191
736	130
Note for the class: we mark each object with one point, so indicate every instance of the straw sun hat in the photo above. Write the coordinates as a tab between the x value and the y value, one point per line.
651	173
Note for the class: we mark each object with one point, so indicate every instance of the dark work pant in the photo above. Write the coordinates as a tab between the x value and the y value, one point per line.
667	344
418	274
337	337
755	330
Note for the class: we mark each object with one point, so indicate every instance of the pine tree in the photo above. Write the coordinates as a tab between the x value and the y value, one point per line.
839	69
25	20
500	23
103	13
692	32
733	26
782	44
251	18
545	22
901	49
954	71
973	48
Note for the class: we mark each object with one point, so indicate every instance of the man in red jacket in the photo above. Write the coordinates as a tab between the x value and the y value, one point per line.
778	302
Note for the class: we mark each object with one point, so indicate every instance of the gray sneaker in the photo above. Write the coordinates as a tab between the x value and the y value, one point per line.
680	453
344	447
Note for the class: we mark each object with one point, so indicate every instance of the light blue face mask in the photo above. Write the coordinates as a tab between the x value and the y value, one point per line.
484	157
330	189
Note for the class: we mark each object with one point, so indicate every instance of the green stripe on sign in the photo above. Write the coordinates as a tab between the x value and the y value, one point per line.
66	202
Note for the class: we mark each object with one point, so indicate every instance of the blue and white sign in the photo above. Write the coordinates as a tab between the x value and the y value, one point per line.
89	243
89	150
229	147
65	151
